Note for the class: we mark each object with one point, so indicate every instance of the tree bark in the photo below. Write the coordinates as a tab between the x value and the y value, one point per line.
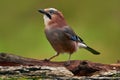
13	64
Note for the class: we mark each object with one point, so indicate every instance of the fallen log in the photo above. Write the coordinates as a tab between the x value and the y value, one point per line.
14	64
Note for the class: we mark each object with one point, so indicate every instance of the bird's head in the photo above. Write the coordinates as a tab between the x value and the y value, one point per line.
53	17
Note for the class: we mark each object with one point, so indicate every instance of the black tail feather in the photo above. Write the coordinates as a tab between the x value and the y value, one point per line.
92	50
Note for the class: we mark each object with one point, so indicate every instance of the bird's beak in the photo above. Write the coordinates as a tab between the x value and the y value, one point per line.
42	11
45	13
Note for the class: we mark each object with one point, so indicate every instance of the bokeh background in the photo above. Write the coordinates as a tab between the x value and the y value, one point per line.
96	21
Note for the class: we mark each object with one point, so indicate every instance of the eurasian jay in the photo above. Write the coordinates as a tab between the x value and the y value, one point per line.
62	38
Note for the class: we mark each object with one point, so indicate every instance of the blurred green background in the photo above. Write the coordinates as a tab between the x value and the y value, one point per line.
96	21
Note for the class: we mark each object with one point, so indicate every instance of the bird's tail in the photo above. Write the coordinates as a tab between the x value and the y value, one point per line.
83	45
92	50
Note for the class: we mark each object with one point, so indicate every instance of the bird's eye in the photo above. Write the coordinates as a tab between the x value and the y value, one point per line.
51	11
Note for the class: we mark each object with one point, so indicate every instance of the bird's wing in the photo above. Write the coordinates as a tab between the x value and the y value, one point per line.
71	35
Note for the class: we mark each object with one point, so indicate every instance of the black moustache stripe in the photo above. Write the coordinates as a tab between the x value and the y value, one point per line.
48	15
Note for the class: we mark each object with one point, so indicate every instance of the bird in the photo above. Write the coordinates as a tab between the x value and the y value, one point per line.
60	35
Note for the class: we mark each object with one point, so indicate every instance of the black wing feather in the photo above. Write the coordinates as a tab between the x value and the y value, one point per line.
72	36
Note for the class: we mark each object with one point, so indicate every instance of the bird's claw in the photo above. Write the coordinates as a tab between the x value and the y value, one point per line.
47	60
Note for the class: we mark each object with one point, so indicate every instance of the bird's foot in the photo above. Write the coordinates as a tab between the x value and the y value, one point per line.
47	60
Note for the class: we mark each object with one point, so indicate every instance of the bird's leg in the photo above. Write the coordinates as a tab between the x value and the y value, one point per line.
56	54
68	62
